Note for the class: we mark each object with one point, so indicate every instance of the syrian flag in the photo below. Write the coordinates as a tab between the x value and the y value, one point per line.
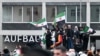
87	29
40	23
43	40
60	17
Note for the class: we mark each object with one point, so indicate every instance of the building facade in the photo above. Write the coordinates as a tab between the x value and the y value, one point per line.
15	16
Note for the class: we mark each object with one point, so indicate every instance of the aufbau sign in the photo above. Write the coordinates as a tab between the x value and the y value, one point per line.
21	38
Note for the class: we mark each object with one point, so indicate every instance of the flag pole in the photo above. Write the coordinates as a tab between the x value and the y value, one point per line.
80	13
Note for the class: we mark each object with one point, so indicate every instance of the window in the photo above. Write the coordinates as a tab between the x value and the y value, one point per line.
53	12
73	12
37	13
95	11
83	13
7	13
20	12
78	12
50	13
28	12
61	9
17	14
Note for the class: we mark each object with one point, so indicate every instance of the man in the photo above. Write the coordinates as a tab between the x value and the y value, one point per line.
6	52
58	40
71	52
27	51
64	35
70	35
48	39
59	51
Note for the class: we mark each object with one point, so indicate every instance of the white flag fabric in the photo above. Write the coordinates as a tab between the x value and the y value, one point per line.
40	23
60	17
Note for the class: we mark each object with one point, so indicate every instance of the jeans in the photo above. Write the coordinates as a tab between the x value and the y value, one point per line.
70	43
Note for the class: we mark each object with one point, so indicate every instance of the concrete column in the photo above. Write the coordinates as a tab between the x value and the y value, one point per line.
0	15
88	20
44	10
44	16
1	43
76	13
88	13
1	39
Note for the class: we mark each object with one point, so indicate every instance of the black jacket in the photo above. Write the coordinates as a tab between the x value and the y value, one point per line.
70	33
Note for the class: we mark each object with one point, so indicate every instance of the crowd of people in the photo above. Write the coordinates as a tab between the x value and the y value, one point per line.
38	51
70	38
60	41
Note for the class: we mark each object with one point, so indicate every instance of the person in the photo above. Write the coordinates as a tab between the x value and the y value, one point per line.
6	52
27	51
93	48
76	32
81	34
59	51
70	35
98	52
58	40
48	39
82	53
17	51
90	53
65	36
0	54
71	52
87	31
77	43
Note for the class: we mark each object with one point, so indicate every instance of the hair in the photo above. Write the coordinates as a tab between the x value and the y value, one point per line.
98	50
6	51
63	49
90	53
27	51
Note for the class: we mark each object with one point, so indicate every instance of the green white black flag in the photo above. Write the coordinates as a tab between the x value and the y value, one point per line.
40	23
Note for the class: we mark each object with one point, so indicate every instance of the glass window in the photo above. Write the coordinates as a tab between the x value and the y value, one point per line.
95	26
37	13
83	15
95	11
71	13
27	13
17	14
60	9
50	13
7	13
19	26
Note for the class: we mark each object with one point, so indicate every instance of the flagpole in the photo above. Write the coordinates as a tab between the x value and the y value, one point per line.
80	13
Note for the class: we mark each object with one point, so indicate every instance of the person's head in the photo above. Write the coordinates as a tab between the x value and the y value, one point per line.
27	51
80	28
60	51
90	53
5	51
98	51
76	28
48	30
69	26
64	26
